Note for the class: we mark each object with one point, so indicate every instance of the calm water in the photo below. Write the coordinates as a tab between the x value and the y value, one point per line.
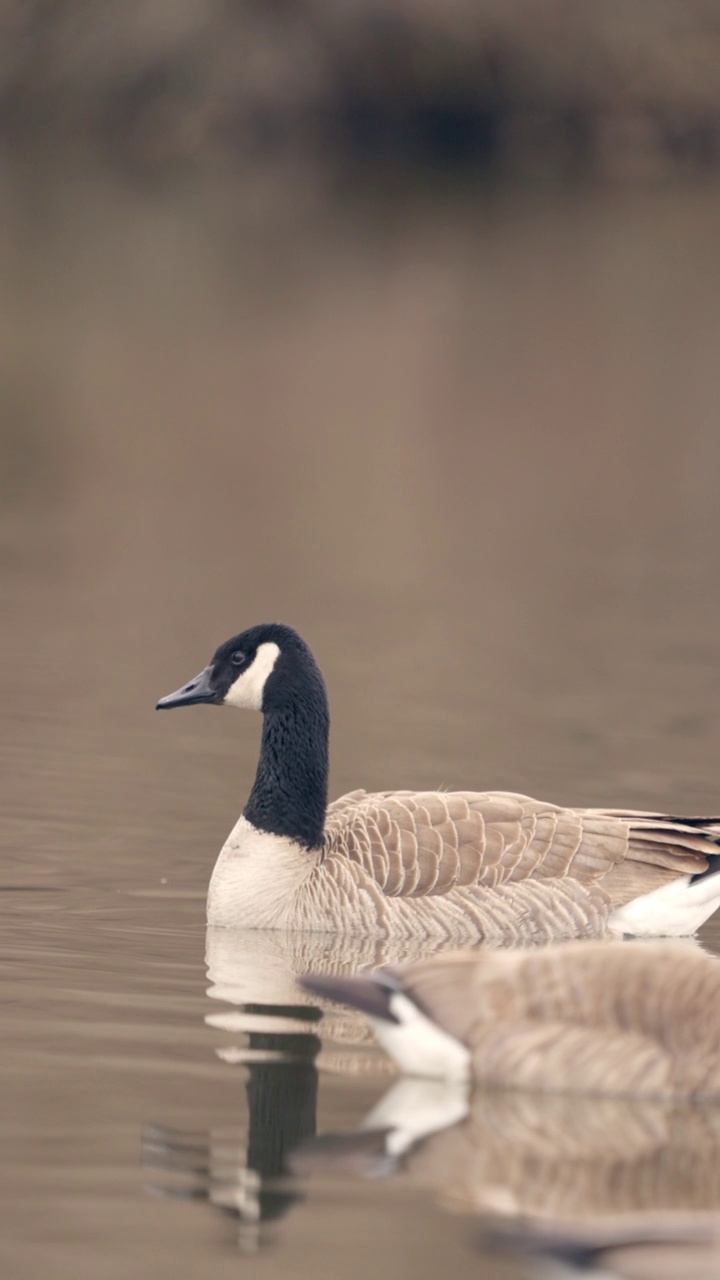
472	453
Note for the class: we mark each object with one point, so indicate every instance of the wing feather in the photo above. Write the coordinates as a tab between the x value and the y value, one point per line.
425	844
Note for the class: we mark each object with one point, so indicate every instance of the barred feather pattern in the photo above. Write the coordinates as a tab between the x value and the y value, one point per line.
558	1157
490	865
590	1017
335	895
455	867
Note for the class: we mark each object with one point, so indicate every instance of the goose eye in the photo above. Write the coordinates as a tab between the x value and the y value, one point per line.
237	658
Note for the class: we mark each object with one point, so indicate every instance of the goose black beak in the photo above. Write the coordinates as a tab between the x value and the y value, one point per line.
198	690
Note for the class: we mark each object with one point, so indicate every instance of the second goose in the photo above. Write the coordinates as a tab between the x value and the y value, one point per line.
641	1019
431	864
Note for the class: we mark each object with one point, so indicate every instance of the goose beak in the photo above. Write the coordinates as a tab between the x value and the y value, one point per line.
198	690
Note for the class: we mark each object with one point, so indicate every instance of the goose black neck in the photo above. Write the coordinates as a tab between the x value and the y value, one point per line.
289	795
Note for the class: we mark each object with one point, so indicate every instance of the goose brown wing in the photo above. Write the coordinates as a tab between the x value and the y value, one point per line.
660	848
414	844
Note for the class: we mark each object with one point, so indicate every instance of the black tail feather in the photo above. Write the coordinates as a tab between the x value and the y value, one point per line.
712	868
369	995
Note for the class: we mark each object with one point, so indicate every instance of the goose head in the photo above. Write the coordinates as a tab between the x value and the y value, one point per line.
265	668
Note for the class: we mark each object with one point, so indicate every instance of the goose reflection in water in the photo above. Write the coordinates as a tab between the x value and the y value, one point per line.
238	1171
631	1247
578	1185
564	1183
273	1024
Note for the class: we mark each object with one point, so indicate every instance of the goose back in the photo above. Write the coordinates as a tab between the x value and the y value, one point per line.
638	1018
415	844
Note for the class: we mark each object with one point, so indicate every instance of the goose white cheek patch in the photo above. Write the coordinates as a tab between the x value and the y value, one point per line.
247	690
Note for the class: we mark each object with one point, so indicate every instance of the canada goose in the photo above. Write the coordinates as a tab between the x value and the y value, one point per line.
591	1017
432	864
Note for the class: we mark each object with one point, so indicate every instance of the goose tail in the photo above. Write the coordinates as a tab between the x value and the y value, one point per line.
683	856
419	1046
370	995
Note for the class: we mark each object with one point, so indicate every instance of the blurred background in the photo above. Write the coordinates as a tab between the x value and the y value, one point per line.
396	321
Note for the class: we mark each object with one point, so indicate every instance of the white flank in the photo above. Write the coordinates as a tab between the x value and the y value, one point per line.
675	911
418	1046
247	690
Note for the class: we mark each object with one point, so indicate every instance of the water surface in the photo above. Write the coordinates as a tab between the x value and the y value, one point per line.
471	451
